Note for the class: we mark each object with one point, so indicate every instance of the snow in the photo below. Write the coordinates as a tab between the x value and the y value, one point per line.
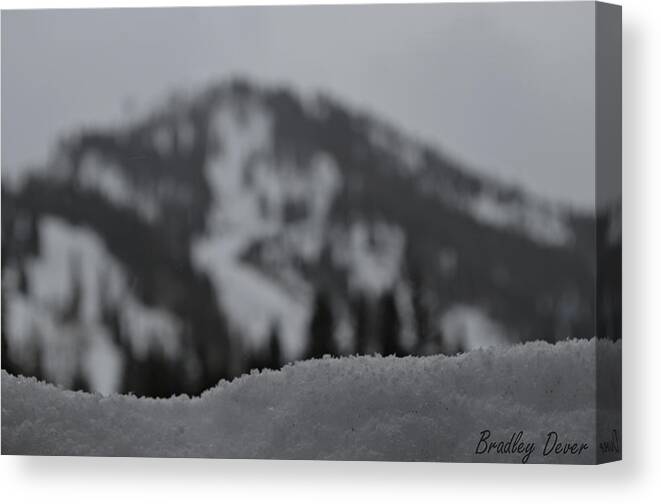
315	190
311	188
241	136
372	254
68	255
409	153
101	362
252	301
466	328
542	223
108	180
250	191
538	220
353	408
74	259
150	328
65	347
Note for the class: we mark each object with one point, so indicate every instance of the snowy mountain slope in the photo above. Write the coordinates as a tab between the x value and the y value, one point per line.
74	283
355	408
232	210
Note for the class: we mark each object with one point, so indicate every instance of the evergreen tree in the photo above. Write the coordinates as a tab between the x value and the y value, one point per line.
420	313
390	325
23	284
158	377
320	333
38	357
71	312
274	357
360	310
79	381
268	356
151	375
8	363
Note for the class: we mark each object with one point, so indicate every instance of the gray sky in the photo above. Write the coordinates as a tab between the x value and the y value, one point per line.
506	88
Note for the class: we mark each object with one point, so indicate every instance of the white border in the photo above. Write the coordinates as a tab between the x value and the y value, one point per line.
67	480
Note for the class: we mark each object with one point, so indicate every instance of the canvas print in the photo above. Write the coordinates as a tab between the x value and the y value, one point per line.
359	232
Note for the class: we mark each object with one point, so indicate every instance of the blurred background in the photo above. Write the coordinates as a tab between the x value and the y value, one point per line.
182	203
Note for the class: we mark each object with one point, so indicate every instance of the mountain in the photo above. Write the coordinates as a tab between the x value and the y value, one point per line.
211	236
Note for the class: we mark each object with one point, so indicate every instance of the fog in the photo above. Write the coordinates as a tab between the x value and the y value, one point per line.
506	88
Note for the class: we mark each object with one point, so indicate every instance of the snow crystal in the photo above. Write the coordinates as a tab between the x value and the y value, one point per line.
354	408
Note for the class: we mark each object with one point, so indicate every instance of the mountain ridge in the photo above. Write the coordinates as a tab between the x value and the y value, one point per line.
243	212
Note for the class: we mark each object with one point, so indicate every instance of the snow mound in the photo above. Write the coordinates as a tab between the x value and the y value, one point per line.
352	408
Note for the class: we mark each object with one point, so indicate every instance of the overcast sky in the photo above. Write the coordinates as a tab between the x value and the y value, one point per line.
506	88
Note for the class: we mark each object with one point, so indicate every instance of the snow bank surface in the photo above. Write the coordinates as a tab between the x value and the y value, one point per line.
365	408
